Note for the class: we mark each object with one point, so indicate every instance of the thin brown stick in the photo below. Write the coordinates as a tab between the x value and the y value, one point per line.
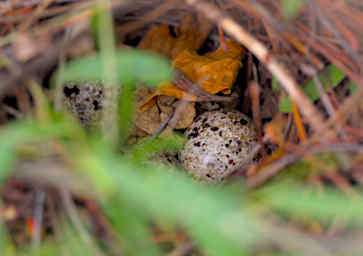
259	50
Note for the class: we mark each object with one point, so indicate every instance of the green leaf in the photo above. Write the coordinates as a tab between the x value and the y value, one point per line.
333	73
352	87
290	8
131	66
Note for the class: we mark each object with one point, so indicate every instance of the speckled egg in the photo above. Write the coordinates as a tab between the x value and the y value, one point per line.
218	142
84	100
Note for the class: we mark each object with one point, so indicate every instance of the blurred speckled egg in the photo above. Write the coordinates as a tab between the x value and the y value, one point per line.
218	142
84	100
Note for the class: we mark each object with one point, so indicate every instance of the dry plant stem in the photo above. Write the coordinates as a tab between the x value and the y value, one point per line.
324	96
327	102
101	226
163	124
272	170
61	22
51	11
288	127
53	216
343	112
341	183
322	15
230	26
254	91
330	53
297	240
340	117
38	216
242	167
12	111
184	83
182	249
109	124
149	17
73	215
284	161
41	8
181	105
61	62
24	100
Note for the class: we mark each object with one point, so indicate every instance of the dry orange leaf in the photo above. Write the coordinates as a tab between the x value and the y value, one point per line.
190	35
216	70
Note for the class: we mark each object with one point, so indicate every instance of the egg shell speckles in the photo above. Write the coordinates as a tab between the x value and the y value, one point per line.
218	142
85	100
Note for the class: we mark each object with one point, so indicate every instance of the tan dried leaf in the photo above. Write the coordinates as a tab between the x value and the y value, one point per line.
186	117
149	120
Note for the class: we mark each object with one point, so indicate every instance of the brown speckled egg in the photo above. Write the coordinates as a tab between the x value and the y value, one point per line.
218	142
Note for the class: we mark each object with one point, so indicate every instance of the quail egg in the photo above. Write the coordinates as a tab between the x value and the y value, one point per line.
84	100
218	142
88	100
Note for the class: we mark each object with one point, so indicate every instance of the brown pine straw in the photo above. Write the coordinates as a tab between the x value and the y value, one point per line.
260	51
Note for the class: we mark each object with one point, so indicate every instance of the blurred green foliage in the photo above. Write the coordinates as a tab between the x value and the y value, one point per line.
290	8
133	66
